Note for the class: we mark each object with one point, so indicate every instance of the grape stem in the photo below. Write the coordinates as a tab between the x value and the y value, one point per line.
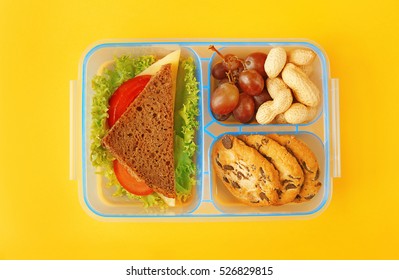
212	47
229	76
243	63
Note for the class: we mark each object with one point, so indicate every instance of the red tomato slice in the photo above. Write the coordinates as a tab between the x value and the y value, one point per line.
125	95
118	103
128	182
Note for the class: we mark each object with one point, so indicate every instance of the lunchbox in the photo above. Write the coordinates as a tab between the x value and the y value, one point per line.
210	199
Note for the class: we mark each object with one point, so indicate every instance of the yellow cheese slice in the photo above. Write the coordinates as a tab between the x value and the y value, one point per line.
171	202
172	58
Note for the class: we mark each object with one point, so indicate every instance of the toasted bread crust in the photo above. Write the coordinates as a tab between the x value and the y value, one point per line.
143	138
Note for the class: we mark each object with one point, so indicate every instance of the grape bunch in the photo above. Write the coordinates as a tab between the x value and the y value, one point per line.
240	86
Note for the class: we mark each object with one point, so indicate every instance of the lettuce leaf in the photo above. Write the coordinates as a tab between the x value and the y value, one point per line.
186	125
125	68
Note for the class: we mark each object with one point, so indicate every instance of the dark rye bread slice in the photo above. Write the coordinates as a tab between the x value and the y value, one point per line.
143	138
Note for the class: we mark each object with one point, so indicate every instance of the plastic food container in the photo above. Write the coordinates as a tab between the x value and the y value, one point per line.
210	199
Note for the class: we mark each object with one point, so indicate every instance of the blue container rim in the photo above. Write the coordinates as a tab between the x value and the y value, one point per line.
325	77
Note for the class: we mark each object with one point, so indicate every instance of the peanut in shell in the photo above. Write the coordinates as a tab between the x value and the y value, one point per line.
301	56
304	90
275	62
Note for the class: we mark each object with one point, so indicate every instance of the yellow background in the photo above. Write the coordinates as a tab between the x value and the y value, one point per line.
40	46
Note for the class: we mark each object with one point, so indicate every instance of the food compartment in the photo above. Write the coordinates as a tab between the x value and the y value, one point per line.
99	198
224	199
210	196
314	71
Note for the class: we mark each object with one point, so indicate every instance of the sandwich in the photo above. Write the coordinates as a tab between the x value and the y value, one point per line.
143	139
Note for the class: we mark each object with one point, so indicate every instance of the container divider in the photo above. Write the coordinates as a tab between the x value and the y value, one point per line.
210	197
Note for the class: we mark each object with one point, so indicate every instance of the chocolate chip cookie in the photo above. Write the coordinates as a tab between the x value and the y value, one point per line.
290	172
308	162
245	172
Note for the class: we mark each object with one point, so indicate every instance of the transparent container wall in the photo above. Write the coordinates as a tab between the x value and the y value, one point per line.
99	198
228	204
210	197
243	51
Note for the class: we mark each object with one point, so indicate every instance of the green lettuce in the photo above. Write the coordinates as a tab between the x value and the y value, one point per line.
125	68
186	125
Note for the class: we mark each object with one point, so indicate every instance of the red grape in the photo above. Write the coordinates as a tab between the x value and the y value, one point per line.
225	80
235	74
251	82
231	62
261	98
245	109
222	117
256	61
224	99
219	71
